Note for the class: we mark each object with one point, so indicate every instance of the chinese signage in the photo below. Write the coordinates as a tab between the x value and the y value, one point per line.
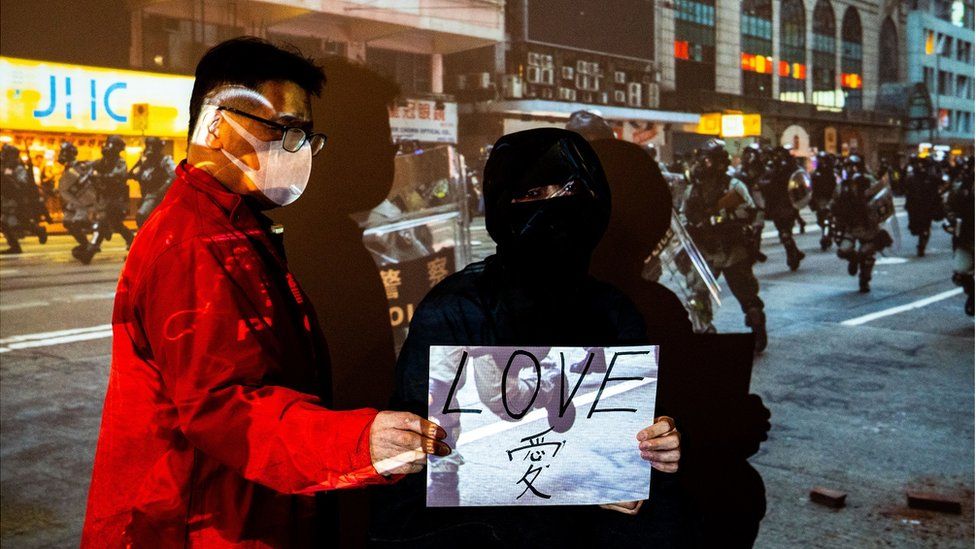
424	120
540	425
41	96
730	125
407	283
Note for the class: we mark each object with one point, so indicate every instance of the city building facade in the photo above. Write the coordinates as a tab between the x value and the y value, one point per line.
812	70
940	54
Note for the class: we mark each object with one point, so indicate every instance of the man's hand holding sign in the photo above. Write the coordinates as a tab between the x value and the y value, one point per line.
547	426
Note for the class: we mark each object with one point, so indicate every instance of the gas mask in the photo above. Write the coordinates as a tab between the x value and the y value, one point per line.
281	176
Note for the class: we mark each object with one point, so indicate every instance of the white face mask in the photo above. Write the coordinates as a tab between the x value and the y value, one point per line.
281	175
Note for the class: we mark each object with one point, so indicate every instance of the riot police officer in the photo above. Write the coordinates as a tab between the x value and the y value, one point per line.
959	222
77	193
775	186
859	207
922	199
719	212
110	179
155	172
824	181
19	201
751	168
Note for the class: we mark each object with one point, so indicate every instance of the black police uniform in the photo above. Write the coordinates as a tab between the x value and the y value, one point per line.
857	226
719	212
155	173
779	208
922	200
824	183
110	179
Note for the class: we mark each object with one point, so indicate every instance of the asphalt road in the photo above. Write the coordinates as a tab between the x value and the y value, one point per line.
870	394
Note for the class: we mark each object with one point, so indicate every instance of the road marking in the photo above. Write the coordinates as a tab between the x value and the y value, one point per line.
891	261
57	301
59	337
902	308
502	426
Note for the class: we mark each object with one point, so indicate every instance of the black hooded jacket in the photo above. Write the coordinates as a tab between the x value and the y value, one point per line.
535	290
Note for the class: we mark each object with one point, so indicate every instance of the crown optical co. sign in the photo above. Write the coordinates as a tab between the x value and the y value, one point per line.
42	96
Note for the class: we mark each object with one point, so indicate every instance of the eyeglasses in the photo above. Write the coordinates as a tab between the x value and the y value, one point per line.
293	138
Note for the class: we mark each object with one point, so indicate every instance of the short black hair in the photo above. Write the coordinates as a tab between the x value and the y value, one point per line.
250	61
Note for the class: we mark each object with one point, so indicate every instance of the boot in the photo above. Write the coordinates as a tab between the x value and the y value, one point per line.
923	240
84	254
824	243
864	281
41	232
13	249
967	286
852	266
756	319
793	256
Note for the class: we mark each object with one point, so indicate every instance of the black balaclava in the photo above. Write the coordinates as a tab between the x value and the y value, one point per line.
546	241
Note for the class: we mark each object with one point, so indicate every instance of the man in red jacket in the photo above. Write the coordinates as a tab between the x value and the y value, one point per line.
215	430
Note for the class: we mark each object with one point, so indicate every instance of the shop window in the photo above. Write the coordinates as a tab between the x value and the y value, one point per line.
824	48
792	70
694	44
888	52
852	60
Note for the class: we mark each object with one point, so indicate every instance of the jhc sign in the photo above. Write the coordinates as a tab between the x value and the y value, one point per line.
41	96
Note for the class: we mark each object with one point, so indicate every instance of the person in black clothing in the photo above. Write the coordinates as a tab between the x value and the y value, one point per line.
724	494
77	194
922	199
824	182
719	213
959	223
110	178
155	172
779	208
547	205
20	201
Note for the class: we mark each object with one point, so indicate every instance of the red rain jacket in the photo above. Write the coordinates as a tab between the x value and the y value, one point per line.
214	430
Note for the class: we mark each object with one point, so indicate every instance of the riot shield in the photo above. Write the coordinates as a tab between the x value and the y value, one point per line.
677	264
881	208
419	234
800	189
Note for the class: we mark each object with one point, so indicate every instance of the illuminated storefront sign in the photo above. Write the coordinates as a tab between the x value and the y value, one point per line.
681	49
795	70
424	120
730	125
851	81
55	97
757	63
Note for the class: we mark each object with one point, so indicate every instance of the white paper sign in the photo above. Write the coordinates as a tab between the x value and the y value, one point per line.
540	425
